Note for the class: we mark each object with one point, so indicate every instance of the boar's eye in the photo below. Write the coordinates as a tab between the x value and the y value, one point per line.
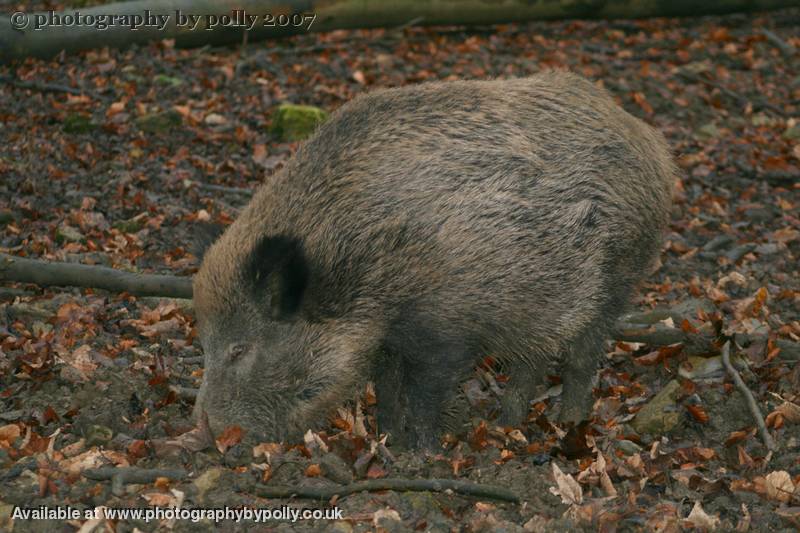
310	391
236	351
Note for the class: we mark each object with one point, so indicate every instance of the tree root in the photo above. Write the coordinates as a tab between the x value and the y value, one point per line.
465	488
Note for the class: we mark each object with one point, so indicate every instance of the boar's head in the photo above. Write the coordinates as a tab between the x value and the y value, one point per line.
274	365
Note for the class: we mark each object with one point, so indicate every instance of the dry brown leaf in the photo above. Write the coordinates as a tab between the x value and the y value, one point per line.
81	360
314	442
196	440
790	412
567	488
230	436
385	514
779	486
93	458
159	499
596	474
700	519
74	449
8	434
267	450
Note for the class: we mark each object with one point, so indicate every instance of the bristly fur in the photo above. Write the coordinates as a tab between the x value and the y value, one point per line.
427	226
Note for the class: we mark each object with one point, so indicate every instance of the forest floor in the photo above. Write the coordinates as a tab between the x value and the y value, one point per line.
103	159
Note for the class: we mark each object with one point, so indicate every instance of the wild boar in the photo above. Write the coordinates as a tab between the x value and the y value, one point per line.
420	229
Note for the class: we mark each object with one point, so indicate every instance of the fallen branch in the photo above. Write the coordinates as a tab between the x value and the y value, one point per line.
741	100
121	476
785	48
694	343
774	177
45	273
663	335
40	86
465	488
748	396
221	188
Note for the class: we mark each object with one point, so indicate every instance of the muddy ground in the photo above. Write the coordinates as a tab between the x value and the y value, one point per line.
103	161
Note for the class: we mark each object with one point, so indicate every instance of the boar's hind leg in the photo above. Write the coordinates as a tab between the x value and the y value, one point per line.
415	386
526	378
578	369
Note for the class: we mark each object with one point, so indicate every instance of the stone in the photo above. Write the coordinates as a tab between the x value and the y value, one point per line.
660	414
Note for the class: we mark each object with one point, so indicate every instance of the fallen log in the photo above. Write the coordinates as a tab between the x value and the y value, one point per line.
45	34
45	273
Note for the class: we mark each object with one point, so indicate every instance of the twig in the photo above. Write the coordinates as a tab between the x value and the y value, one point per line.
785	48
773	177
751	402
777	177
303	49
192	360
408	24
41	86
44	273
402	485
741	100
222	188
121	476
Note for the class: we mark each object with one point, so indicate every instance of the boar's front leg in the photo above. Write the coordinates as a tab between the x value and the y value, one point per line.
414	386
578	369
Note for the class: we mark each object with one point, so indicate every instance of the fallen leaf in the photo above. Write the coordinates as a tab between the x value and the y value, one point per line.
790	412
700	519
93	458
567	488
230	436
8	434
385	514
698	413
268	450
779	486
159	499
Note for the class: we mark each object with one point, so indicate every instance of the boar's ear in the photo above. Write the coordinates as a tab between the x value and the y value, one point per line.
278	268
205	234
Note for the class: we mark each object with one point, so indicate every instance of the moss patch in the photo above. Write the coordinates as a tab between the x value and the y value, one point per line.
296	122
